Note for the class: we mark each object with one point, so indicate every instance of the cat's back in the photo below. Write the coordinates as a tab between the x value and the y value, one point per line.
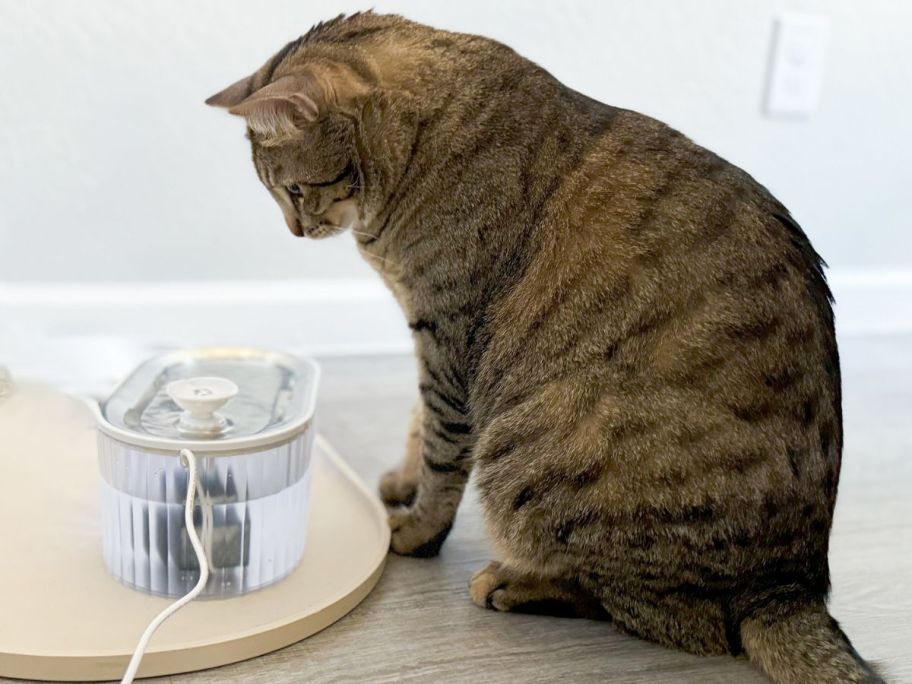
656	249
673	321
666	362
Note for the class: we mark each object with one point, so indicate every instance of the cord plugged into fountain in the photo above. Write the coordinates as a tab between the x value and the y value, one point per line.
188	460
200	398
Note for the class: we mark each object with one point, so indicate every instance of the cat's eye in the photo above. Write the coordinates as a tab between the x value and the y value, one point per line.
293	189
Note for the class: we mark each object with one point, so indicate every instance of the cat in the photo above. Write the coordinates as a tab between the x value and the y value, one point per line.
626	338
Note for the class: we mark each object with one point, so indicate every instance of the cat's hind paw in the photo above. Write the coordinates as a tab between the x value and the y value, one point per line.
489	588
504	589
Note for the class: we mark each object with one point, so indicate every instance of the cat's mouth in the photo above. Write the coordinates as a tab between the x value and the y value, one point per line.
322	230
340	216
315	231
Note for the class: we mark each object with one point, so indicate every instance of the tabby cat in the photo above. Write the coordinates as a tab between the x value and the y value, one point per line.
628	339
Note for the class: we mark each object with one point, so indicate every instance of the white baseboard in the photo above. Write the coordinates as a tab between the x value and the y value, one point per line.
83	337
319	316
46	325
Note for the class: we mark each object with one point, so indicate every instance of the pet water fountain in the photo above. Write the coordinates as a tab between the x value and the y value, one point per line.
248	418
292	539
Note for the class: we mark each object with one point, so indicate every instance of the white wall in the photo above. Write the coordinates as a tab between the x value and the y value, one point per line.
112	169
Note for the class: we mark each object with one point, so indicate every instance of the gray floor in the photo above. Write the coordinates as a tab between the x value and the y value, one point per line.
418	624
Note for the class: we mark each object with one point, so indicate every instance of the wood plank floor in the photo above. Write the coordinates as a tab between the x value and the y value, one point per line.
419	625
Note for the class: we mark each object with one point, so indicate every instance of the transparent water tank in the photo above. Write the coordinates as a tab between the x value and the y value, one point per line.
248	417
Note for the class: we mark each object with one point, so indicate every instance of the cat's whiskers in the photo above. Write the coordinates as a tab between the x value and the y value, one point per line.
374	256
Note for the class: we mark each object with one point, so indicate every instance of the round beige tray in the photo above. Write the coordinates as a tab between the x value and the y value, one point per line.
64	618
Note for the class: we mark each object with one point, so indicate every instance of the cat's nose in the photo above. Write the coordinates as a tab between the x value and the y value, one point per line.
294	225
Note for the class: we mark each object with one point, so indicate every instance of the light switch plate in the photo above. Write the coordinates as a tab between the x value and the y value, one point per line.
796	66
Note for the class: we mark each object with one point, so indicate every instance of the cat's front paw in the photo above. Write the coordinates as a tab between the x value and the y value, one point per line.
415	536
396	489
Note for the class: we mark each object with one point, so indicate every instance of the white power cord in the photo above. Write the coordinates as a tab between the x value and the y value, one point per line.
188	460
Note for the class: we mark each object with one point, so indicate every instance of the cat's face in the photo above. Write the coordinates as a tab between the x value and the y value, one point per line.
313	177
301	127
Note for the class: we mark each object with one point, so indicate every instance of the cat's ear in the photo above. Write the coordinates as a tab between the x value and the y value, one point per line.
276	110
302	97
290	95
273	109
233	94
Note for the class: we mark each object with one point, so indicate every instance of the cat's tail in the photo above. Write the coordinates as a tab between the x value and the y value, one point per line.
798	641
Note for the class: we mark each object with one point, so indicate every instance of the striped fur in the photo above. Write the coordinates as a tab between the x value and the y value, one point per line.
626	338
